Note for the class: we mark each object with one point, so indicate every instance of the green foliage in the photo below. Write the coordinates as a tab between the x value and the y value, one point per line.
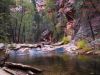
4	20
56	23
50	4
82	44
65	40
22	22
3	39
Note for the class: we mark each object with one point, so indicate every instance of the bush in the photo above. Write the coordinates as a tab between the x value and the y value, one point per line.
87	48
84	45
81	44
65	40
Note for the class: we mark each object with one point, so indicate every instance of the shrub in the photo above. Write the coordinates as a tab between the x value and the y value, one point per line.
83	44
65	40
87	48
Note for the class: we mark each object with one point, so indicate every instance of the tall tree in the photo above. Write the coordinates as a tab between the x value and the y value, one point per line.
4	20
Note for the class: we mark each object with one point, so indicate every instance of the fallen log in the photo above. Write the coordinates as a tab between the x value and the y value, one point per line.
9	71
17	72
22	67
2	72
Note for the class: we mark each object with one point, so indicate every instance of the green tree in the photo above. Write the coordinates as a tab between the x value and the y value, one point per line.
5	32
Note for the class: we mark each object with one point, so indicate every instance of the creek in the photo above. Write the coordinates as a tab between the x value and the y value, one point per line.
57	62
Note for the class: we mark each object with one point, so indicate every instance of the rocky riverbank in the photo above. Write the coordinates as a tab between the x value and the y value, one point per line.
68	48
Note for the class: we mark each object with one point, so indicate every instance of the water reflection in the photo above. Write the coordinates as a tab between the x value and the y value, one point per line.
58	64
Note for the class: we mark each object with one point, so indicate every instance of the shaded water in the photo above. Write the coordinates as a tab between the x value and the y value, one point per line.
58	64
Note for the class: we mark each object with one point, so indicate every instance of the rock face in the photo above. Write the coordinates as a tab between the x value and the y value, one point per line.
89	23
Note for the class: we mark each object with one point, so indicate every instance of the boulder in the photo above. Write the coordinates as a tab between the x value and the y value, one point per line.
2	46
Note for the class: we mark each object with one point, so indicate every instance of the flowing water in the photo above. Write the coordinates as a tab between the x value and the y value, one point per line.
58	63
